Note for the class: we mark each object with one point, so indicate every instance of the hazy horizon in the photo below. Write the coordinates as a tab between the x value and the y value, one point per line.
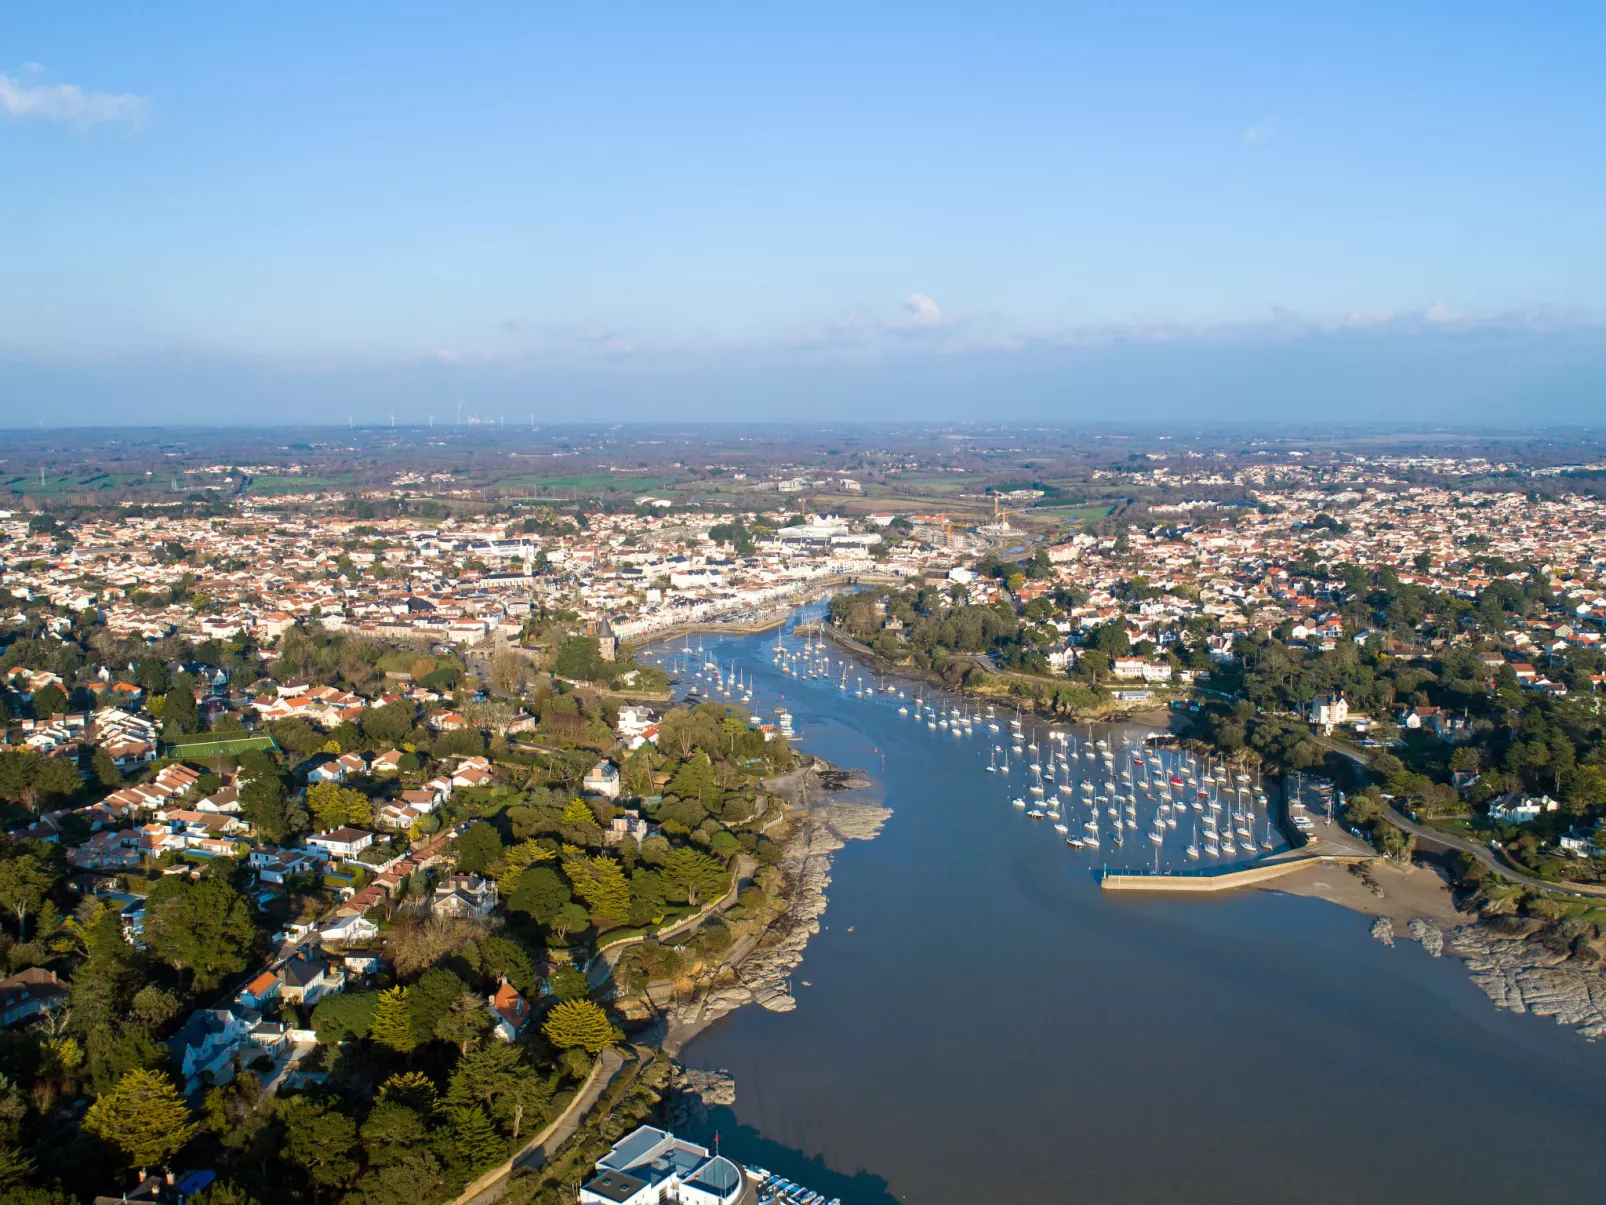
1036	212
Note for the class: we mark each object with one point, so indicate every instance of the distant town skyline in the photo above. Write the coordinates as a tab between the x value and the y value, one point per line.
1029	212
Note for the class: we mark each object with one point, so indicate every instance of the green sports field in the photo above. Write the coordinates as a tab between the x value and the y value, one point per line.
209	746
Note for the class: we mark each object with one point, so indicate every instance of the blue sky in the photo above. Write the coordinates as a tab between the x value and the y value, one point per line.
714	210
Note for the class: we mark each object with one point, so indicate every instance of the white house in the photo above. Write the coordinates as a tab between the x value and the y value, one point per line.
205	1047
1329	711
1137	667
344	930
344	842
650	1165
1521	809
602	779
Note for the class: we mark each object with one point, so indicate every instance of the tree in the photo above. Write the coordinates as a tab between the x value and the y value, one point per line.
568	919
392	1023
569	983
497	1079
144	1117
262	802
580	1023
517	860
475	1140
390	724
411	1179
577	814
318	1139
223	1192
602	884
695	779
25	776
48	701
28	872
411	1088
179	713
333	805
479	848
204	927
346	1014
694	875
465	1024
106	771
509	671
539	894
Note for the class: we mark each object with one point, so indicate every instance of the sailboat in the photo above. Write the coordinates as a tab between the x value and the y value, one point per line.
1193	848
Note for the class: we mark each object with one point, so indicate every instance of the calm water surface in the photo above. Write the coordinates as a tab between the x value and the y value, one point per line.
995	1028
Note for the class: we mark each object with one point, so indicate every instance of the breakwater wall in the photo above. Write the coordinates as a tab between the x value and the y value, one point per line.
1205	882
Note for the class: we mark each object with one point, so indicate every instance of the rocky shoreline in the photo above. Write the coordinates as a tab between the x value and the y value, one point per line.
761	973
1535	970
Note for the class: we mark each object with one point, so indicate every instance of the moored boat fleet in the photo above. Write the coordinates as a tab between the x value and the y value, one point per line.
1092	793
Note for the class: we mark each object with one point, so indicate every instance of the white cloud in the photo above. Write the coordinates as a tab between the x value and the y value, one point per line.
1440	312
67	102
1261	131
923	311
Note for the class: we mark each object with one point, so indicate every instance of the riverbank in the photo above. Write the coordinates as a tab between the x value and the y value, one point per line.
1106	713
757	969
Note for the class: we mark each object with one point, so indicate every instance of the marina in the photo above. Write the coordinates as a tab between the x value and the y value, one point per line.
977	987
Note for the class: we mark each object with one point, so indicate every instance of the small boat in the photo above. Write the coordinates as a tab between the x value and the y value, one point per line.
1020	803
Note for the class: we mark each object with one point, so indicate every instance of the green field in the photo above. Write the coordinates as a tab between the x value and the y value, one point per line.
204	746
623	483
297	484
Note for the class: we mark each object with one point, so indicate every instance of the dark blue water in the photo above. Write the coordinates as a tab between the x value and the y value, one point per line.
995	1028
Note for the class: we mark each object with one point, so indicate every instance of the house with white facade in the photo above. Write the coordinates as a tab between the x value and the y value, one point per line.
602	779
1521	809
343	842
1328	711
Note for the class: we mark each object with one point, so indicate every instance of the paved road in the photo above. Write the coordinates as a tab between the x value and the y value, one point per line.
1477	849
1487	856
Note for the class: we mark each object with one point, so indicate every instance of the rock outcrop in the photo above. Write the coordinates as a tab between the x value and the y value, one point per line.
1532	976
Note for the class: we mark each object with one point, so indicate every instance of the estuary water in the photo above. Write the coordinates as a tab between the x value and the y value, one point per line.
981	1023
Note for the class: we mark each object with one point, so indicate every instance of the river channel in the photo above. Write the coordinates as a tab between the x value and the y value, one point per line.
981	1023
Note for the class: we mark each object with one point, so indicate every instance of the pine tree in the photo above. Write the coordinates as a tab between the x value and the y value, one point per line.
475	1139
144	1117
411	1088
601	883
580	1023
577	815
392	1025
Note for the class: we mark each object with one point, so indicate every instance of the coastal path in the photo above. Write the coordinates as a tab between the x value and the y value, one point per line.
1485	855
1499	864
492	1186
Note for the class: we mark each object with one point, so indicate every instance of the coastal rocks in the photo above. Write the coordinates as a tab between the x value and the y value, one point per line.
1526	976
763	975
806	864
1383	931
842	780
695	1092
1428	934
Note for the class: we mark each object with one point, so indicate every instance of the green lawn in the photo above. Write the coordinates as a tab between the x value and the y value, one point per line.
205	745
